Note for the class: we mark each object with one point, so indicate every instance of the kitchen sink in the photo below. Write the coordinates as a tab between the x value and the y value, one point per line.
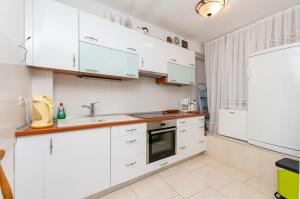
93	120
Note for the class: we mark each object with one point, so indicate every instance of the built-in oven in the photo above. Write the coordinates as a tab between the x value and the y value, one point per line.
161	140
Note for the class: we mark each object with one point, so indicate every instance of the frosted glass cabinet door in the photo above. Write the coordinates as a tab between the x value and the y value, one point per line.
108	61
181	74
54	35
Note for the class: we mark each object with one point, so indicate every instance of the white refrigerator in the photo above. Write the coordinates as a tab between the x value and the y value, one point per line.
274	99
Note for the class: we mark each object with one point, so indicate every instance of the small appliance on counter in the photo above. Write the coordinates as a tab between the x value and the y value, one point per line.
42	111
185	105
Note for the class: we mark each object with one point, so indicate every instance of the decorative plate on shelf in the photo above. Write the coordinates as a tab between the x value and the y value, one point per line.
176	40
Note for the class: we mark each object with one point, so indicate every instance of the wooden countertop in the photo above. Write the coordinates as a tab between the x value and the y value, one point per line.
55	129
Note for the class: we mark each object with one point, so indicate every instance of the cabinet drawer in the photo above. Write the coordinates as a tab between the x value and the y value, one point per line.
190	121
128	146
117	131
124	170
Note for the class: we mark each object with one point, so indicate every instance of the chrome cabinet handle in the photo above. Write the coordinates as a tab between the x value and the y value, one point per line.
182	147
130	130
182	122
182	131
74	60
92	70
91	38
142	59
174	60
130	75
191	82
201	127
172	80
231	112
133	49
130	141
51	146
163	164
131	164
192	64
201	142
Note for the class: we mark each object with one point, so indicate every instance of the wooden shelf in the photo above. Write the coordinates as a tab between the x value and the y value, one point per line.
164	80
81	74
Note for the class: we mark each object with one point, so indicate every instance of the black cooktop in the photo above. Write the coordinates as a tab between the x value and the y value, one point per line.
152	115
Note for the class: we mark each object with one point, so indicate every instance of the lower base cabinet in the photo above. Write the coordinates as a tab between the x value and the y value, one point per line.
64	165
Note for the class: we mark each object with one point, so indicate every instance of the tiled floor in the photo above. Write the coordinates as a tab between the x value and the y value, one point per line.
199	178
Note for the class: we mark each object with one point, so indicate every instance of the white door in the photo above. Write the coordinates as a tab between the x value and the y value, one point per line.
78	164
55	35
153	53
30	153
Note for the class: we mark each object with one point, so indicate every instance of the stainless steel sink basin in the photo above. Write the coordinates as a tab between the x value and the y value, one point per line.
93	120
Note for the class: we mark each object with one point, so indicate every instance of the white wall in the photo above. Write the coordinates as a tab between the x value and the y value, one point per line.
14	78
98	9
116	96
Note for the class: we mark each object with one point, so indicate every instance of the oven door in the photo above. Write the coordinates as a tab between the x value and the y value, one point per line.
161	144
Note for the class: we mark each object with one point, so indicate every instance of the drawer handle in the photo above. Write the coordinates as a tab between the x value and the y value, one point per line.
91	38
130	141
201	142
133	49
192	64
172	80
201	119
163	164
182	122
182	131
191	82
131	164
130	75
92	70
182	147
201	127
130	130
174	60
231	112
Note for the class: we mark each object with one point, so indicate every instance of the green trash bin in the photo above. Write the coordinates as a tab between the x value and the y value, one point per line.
288	179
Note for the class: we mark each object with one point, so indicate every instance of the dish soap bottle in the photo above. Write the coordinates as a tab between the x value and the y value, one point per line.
61	114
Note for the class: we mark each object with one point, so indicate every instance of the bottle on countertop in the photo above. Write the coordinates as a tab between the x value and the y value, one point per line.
61	113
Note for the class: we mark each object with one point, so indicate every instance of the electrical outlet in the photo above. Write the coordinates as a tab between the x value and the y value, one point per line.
22	101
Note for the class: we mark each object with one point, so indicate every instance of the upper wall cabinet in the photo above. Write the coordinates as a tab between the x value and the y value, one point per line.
95	30
53	28
153	53
181	56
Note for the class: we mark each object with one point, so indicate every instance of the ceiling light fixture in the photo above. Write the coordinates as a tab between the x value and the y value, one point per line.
208	8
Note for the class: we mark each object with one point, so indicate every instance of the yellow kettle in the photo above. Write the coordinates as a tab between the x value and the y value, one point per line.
42	111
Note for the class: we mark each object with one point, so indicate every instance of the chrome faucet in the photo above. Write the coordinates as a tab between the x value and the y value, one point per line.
91	107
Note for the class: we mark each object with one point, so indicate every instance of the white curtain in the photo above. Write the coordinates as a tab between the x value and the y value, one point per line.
226	58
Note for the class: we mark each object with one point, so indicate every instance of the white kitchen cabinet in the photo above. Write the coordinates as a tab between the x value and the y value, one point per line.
153	53
96	30
63	165
233	123
30	158
181	56
53	28
127	169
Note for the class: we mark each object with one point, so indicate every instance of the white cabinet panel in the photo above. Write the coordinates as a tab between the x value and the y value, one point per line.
233	123
153	53
128	169
125	130
128	146
181	56
78	164
30	155
190	121
54	34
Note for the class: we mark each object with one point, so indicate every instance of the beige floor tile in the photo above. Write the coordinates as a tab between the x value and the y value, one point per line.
239	190
212	177
178	197
153	188
233	172
185	184
193	164
124	193
262	186
209	194
171	171
208	160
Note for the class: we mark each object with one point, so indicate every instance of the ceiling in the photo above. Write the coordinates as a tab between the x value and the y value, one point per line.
179	16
